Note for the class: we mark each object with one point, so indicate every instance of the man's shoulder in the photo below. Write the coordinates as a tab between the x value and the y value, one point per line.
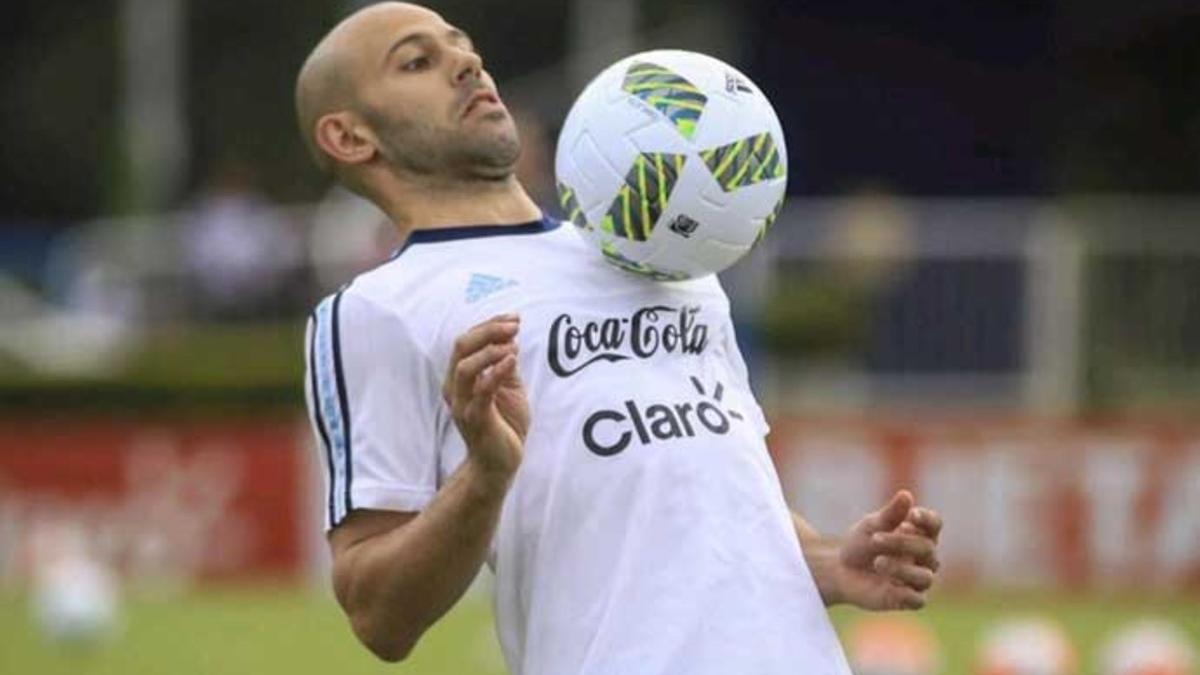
370	297
408	274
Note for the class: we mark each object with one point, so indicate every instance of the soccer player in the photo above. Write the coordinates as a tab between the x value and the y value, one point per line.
499	393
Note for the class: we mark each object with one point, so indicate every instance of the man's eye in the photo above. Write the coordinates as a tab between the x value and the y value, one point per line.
416	64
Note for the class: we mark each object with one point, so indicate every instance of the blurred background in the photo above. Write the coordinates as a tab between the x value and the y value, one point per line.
985	286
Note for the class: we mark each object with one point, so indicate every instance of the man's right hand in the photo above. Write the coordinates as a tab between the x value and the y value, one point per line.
486	397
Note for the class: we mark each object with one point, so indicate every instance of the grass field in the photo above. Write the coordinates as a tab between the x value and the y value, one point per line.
294	632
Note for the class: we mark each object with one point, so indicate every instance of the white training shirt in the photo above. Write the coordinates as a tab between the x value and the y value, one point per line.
645	532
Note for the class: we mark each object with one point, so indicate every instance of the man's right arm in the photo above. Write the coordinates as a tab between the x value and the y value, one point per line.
397	573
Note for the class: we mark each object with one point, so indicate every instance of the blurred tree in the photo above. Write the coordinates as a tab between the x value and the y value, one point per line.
244	55
1130	115
995	96
938	97
985	97
58	87
241	68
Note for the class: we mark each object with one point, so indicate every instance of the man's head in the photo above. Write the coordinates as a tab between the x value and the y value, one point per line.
394	90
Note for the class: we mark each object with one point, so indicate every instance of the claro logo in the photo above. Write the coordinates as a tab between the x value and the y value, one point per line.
610	432
641	335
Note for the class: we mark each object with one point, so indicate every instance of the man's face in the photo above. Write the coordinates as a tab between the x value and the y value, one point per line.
423	91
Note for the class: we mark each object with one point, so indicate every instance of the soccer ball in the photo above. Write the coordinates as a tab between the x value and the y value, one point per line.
1027	646
672	163
75	596
1149	647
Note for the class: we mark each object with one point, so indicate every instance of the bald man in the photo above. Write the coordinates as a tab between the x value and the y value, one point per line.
498	393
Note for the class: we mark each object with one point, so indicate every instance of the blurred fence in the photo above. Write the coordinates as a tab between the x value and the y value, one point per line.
1051	306
1048	305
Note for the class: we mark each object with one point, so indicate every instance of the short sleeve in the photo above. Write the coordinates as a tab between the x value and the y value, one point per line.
741	376
374	406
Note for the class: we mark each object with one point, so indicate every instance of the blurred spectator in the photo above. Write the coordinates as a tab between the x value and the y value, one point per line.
749	285
535	167
241	254
349	236
820	304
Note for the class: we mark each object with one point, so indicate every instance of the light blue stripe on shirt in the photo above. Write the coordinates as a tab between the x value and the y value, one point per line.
329	406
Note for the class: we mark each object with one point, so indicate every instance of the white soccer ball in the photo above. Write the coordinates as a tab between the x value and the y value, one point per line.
672	163
75	601
1149	647
1027	646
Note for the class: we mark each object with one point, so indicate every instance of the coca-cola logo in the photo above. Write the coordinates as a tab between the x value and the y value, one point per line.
648	331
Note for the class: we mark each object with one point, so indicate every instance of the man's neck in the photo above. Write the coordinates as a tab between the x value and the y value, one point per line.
479	202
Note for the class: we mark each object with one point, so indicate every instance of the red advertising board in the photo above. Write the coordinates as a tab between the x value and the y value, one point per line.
168	501
1027	502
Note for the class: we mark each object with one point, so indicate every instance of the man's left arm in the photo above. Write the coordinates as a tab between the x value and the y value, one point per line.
886	561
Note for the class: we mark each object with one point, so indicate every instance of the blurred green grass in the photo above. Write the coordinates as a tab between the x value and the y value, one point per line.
250	631
299	631
960	620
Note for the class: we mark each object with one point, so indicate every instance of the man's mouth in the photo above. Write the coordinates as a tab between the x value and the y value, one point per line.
482	97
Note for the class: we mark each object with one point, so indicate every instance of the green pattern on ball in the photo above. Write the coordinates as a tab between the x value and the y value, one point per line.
671	94
570	206
745	162
769	221
615	257
643	196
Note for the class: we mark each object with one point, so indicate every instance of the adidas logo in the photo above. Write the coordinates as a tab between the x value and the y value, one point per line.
683	226
482	285
733	83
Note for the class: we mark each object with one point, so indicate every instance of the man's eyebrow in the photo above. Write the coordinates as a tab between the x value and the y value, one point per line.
421	36
460	35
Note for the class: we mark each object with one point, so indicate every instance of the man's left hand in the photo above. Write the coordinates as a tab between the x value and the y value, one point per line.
888	559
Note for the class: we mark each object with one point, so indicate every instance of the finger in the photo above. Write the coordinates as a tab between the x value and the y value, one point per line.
928	520
511	377
495	329
891	514
499	328
903	597
899	570
484	391
918	548
490	381
908	528
470	368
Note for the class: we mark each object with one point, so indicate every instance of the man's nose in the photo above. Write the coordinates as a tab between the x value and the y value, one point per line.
469	66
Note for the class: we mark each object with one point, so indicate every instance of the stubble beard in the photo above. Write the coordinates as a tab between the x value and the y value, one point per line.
429	152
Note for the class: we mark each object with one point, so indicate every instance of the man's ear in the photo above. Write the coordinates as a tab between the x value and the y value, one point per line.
344	139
